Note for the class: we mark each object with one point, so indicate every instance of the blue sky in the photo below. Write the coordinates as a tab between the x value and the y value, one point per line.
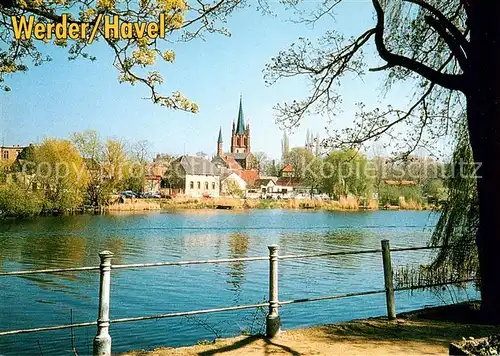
62	97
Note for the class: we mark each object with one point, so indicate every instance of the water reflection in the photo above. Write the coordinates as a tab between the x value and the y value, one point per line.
345	240
238	247
41	251
327	271
53	242
45	250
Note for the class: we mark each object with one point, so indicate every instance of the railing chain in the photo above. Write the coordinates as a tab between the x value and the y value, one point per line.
102	341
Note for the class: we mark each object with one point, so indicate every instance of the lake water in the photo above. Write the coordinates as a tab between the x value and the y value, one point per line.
74	241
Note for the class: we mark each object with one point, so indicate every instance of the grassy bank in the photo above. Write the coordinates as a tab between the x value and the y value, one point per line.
135	205
343	204
16	206
239	204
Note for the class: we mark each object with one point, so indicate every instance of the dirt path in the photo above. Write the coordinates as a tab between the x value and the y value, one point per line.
375	336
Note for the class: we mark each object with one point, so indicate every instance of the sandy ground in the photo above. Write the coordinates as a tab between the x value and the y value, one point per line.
375	336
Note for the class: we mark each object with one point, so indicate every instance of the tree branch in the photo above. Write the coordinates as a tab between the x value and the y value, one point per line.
448	81
455	48
381	68
375	130
324	73
459	36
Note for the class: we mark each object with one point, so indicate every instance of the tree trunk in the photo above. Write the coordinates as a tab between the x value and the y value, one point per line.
483	115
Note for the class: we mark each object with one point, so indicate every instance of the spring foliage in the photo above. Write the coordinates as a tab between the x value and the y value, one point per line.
136	58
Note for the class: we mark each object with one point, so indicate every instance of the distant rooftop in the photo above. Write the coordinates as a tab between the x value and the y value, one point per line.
198	166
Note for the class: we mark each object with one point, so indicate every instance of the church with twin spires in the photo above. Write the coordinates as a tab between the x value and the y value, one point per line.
240	159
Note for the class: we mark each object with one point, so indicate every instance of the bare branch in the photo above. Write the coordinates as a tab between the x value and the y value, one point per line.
450	41
449	81
324	71
459	37
381	68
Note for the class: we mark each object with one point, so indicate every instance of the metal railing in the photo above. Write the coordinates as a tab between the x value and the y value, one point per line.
102	340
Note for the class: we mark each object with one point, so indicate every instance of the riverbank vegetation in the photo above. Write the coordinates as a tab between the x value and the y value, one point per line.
412	182
61	176
239	204
343	204
86	172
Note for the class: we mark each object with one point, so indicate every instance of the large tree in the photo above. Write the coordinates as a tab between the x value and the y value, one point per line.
344	173
90	147
61	175
307	167
450	50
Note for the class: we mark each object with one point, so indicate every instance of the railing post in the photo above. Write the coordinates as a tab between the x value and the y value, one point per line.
273	322
102	341
388	278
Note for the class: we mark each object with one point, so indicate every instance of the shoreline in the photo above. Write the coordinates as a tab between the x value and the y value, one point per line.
179	204
418	332
231	204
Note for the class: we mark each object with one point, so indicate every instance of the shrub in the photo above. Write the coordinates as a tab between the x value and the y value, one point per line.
349	202
390	194
18	202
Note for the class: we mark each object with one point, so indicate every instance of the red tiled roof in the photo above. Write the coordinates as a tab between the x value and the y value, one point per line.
288	182
248	175
152	177
157	170
231	162
288	168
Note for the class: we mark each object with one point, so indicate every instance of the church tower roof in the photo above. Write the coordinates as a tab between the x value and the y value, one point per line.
240	127
219	140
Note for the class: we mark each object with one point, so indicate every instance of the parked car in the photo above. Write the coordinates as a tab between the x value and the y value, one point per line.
128	194
151	195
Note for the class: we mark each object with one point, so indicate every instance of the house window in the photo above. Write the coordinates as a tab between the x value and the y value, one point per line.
191	185
213	185
199	185
206	185
5	154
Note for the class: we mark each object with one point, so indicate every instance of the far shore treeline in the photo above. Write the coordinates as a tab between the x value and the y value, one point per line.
86	172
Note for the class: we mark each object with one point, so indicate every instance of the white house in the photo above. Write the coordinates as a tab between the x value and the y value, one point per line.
230	181
264	185
196	175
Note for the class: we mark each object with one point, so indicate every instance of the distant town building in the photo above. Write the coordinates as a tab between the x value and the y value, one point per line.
195	176
152	179
240	159
8	154
288	171
289	183
265	185
231	182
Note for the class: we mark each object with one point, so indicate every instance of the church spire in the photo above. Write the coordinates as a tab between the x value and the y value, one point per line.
240	127
220	135
219	143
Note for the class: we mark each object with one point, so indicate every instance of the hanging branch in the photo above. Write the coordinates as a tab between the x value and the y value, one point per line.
448	81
